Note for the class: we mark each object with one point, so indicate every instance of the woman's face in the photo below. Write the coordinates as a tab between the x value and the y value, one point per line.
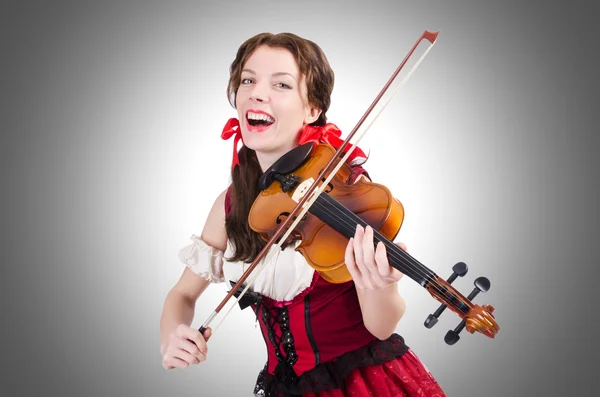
272	102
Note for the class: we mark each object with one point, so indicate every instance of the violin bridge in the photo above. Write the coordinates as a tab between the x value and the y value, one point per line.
301	190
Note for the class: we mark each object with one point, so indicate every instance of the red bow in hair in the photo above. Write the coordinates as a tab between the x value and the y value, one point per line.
329	134
233	128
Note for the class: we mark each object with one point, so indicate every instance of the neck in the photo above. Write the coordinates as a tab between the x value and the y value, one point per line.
267	159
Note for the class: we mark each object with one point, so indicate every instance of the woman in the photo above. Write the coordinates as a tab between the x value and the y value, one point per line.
322	339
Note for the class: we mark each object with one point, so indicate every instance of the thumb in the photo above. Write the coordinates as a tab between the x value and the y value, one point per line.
207	333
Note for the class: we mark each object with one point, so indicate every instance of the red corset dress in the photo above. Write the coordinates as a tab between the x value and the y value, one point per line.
317	343
318	346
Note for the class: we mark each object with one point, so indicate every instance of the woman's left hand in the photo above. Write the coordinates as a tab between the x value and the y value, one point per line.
369	266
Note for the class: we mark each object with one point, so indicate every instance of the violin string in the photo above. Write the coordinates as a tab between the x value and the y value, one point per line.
355	219
349	228
397	254
394	253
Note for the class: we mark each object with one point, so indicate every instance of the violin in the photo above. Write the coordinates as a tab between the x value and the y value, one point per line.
332	221
305	194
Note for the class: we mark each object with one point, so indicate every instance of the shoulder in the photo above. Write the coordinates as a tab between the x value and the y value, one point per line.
214	232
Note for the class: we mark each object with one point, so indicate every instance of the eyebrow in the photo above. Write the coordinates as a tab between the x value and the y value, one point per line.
274	74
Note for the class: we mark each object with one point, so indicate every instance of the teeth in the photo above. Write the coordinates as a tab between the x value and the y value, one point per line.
256	116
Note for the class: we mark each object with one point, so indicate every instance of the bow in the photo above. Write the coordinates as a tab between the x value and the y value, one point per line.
330	169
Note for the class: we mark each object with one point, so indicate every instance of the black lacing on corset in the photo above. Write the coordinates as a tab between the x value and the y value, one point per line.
284	370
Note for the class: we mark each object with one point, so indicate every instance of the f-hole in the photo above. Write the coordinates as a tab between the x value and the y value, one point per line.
329	185
286	214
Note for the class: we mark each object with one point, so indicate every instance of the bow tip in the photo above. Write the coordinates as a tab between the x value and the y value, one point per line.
431	36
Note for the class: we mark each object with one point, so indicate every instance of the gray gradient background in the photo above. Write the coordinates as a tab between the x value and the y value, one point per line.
111	157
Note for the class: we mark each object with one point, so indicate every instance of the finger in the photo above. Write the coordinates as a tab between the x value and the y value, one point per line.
207	333
186	356
397	274
351	264
194	336
170	362
383	265
359	257
371	263
192	348
179	344
387	271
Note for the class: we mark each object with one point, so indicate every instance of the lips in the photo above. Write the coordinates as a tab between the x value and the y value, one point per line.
258	121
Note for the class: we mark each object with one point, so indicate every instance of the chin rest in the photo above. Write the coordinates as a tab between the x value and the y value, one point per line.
283	166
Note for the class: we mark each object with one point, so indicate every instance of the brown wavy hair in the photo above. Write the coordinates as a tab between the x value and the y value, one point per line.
319	77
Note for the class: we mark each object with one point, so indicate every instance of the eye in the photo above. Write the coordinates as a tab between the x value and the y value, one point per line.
283	85
246	81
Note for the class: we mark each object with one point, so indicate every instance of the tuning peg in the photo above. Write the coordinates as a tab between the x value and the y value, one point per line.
460	269
452	336
482	284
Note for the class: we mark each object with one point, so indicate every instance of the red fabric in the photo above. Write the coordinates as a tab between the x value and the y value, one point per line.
329	134
334	310
329	332
402	377
302	346
232	128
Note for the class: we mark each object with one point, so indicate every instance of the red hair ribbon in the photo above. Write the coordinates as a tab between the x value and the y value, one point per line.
329	134
233	128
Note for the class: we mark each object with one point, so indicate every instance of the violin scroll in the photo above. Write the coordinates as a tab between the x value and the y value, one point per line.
482	320
474	317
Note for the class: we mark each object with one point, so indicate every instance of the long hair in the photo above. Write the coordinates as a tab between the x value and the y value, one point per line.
319	77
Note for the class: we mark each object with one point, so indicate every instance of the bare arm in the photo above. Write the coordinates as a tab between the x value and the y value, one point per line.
180	302
381	309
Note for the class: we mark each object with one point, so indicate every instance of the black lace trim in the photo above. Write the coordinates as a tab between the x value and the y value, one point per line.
329	375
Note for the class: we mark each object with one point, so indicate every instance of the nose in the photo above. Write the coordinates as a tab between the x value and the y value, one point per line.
259	93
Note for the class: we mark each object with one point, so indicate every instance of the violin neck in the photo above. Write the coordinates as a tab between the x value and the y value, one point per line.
334	214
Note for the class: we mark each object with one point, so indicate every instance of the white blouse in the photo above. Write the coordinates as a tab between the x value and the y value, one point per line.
285	275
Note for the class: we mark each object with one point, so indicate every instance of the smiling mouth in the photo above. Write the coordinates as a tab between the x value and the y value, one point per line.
259	119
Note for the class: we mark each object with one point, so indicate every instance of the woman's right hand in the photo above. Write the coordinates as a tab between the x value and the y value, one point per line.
185	346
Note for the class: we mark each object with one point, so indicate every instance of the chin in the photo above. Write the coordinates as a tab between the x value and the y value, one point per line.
254	144
258	142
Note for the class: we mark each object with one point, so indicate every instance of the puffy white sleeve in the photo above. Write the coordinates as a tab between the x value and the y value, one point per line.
203	259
